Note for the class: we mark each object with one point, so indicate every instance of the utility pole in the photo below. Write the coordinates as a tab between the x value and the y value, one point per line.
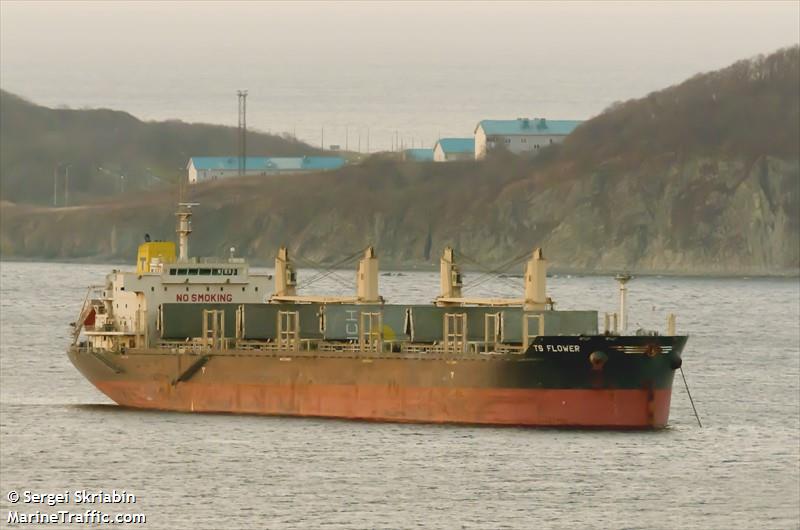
242	130
359	140
346	138
55	185
182	183
367	140
66	185
322	138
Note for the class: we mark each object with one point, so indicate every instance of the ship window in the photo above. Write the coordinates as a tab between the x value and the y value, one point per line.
215	272
182	272
242	289
173	272
256	288
208	288
192	272
221	289
205	272
165	288
152	289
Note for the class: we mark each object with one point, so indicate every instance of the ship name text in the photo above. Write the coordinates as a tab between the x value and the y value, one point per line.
556	348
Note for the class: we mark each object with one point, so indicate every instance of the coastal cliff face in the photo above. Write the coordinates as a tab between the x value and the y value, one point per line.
699	178
697	216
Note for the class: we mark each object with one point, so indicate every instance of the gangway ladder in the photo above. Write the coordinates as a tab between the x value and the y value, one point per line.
289	330
86	308
491	331
455	332
531	330
214	329
370	336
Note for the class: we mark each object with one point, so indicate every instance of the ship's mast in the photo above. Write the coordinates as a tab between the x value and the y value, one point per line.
285	278
535	282
623	279
184	215
367	278
449	275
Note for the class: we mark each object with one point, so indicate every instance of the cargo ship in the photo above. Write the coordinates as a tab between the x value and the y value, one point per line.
193	334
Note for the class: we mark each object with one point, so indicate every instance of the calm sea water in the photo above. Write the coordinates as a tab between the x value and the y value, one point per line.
741	470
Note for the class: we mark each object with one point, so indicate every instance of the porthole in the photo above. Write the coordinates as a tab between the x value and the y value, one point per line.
187	289
152	289
208	288
242	289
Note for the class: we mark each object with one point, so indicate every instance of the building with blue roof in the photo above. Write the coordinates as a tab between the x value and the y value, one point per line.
449	149
418	155
522	135
203	168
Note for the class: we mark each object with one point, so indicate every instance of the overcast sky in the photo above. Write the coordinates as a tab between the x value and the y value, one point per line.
149	57
712	32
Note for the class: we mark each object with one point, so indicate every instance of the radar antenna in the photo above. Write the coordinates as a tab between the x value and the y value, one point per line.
184	215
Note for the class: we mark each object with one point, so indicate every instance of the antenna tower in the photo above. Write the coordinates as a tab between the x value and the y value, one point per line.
242	131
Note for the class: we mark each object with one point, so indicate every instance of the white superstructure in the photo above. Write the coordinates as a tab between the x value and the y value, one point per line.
124	310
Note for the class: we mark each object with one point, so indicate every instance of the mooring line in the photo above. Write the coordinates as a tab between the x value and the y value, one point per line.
690	398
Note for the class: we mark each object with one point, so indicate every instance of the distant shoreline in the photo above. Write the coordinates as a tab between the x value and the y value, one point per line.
427	267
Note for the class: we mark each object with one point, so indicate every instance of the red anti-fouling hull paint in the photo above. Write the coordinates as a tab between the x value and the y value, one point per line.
616	408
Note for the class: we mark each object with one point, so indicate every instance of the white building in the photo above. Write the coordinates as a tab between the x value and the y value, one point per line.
449	149
521	135
203	168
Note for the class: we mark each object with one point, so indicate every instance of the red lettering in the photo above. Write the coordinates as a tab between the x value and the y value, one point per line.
204	297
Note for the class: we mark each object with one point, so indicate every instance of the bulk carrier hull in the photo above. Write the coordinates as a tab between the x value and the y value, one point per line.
587	381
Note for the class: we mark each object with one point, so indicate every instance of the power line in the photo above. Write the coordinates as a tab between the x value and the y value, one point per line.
330	270
491	273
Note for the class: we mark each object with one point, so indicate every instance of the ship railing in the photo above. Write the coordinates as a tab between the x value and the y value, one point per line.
194	346
388	347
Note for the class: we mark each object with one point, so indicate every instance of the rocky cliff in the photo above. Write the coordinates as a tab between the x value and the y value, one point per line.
701	178
698	216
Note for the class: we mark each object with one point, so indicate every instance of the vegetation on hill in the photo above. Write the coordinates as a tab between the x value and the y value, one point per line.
666	183
748	109
37	141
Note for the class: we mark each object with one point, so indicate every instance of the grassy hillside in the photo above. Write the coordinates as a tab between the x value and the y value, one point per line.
680	190
748	109
34	139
